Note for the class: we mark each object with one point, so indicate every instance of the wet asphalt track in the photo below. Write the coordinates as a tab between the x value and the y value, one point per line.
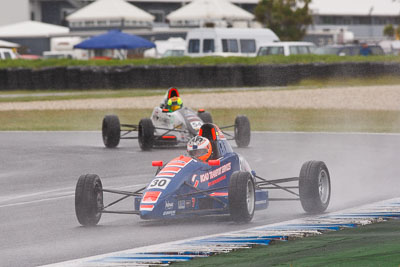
39	171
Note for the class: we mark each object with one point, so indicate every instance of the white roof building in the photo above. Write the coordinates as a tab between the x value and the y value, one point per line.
31	29
356	7
110	13
365	19
199	12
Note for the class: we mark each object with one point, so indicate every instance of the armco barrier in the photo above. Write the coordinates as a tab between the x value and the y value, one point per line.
129	76
3	79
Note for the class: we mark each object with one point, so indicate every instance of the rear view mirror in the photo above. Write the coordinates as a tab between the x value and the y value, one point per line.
157	163
214	162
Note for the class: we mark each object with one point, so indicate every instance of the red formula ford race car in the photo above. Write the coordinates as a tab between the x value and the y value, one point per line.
187	187
170	124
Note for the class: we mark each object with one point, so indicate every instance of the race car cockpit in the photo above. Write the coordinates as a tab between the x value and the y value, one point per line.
208	131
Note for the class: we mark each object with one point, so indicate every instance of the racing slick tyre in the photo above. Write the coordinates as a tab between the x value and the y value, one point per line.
242	131
314	186
205	117
88	199
241	196
111	130
146	134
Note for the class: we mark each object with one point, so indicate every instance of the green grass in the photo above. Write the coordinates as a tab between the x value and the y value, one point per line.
179	61
372	245
308	120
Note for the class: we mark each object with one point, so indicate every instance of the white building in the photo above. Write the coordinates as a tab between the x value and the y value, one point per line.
335	20
366	19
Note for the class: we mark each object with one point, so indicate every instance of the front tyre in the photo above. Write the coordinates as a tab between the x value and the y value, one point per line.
314	187
241	196
111	130
146	134
242	131
88	199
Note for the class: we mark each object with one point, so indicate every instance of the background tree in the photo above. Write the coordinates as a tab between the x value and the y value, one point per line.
287	18
397	32
389	31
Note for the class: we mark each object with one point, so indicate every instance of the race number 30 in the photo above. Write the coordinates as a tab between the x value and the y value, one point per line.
161	183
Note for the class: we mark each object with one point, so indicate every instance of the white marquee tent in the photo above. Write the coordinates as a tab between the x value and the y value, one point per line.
202	11
31	29
105	12
8	44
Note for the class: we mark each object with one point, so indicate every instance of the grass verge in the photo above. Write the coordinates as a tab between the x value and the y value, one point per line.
179	61
372	245
263	119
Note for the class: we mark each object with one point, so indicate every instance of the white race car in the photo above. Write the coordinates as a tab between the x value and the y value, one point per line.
165	128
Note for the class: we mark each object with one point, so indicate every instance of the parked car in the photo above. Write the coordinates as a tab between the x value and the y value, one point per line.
286	48
347	50
7	53
174	53
58	54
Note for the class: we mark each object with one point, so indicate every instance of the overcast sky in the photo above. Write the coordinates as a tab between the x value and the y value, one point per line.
12	11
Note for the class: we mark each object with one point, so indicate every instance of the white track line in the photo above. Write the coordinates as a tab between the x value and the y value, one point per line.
183	250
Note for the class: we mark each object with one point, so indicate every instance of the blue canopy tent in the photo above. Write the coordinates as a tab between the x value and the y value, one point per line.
115	39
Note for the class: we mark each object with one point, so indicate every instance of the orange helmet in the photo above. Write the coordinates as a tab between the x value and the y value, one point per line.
199	148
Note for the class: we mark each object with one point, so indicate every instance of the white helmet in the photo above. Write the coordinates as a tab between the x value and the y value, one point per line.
200	148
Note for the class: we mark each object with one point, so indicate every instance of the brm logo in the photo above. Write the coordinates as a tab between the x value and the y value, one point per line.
169	205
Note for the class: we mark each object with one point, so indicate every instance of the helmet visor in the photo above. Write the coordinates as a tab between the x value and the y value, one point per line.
198	152
175	107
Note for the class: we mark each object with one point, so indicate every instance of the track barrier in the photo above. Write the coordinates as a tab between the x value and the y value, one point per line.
195	76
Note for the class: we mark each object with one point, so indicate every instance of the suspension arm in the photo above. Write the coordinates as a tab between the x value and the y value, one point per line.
275	183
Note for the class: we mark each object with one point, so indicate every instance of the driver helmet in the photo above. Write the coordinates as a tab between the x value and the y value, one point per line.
174	103
199	148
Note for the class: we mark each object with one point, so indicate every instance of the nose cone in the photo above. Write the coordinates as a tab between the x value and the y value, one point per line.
159	210
150	204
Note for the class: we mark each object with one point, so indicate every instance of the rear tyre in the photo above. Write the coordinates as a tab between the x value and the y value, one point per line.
205	117
88	199
146	134
111	130
242	131
241	196
314	187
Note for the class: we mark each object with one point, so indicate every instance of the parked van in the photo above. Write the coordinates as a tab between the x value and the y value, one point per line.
227	41
7	53
286	48
63	47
